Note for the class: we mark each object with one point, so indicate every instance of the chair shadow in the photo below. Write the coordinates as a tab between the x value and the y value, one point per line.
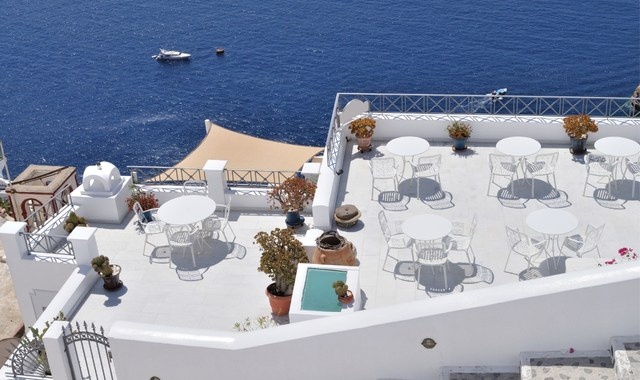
432	279
604	198
393	201
555	199
439	200
206	257
508	199
621	189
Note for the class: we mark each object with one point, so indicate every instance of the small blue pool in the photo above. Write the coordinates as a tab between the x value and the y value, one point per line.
318	293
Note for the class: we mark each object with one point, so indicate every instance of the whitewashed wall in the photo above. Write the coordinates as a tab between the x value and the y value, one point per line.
490	326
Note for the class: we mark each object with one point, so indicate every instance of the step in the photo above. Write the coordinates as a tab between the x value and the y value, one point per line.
480	373
626	356
595	364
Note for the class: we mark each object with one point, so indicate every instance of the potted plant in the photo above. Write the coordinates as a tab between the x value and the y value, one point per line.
345	296
292	196
146	199
363	130
281	253
460	132
110	273
578	128
73	221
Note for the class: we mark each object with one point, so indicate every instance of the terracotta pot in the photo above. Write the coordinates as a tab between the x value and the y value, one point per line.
279	304
333	249
113	282
348	299
364	144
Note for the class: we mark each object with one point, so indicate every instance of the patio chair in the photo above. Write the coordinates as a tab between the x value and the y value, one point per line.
502	166
393	236
149	227
182	237
433	254
632	167
427	167
461	235
524	245
220	223
599	166
583	243
542	165
194	188
383	168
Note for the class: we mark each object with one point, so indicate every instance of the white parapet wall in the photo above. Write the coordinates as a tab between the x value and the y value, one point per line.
580	310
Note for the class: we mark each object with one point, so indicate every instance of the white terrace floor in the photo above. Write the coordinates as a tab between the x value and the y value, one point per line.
226	289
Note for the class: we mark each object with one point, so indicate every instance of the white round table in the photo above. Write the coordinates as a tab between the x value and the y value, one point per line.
426	227
187	209
551	223
407	146
617	146
518	146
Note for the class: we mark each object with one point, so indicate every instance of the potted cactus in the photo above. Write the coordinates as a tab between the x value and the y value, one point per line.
345	296
73	221
281	253
110	273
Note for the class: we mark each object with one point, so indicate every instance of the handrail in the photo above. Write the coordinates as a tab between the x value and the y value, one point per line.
164	175
47	243
40	215
256	178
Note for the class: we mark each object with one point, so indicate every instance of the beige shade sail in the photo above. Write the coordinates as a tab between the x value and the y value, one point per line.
246	152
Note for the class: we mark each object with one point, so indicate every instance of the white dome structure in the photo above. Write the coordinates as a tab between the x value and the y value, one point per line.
102	179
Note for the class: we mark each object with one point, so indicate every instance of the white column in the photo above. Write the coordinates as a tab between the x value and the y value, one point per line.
84	243
216	181
14	246
54	346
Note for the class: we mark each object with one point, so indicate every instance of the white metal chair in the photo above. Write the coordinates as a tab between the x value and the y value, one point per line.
149	227
502	166
383	168
542	165
583	243
427	166
393	235
220	222
461	235
525	246
633	168
182	237
431	254
599	166
194	188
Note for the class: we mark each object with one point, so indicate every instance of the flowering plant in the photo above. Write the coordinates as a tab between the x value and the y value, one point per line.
626	254
147	200
459	130
363	127
578	126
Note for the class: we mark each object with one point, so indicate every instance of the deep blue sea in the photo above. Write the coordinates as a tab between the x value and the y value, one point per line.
78	83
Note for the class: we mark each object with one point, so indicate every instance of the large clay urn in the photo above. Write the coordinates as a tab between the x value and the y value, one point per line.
333	249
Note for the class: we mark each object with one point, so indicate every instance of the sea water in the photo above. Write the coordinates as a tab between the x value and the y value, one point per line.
78	83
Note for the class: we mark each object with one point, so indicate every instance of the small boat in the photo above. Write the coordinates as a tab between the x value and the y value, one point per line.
497	94
219	51
170	55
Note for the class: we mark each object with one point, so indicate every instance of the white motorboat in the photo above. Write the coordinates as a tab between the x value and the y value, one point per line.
170	55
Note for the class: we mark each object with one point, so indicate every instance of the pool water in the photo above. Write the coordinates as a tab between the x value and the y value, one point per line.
318	293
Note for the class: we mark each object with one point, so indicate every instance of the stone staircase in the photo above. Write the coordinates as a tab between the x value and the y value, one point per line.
621	361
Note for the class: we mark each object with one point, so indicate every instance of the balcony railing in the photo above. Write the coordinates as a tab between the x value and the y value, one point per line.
256	178
50	244
514	105
162	175
51	208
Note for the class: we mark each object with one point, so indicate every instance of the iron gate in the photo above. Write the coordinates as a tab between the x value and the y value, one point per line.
88	352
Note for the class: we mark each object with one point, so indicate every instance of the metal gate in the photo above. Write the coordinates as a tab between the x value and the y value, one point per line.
88	352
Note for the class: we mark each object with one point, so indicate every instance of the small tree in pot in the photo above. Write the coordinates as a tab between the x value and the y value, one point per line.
578	128
281	253
292	196
110	273
362	129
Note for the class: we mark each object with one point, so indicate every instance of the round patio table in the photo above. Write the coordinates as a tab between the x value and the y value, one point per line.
518	146
552	223
186	210
407	147
426	227
617	146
